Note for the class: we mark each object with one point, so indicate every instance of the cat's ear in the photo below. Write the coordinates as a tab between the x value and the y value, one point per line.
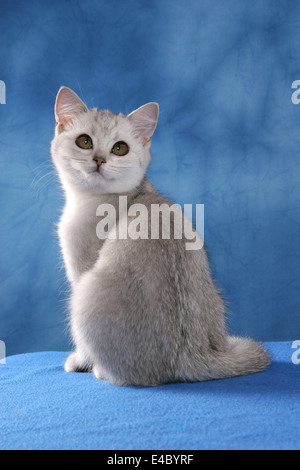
67	106
144	120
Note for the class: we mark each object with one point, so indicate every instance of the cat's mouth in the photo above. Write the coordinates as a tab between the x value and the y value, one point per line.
98	166
93	173
93	170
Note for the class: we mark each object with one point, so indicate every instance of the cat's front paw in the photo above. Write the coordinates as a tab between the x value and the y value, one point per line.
75	364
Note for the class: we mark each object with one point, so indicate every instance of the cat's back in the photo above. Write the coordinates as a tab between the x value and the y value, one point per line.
150	242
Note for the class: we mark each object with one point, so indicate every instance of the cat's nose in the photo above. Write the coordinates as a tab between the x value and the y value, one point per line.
99	160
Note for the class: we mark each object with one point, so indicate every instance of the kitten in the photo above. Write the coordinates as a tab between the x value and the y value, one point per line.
145	311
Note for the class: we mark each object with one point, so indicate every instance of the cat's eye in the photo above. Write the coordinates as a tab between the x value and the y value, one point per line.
120	149
84	141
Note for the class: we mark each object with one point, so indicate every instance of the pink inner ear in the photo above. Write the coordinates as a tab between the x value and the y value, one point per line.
67	106
144	120
61	125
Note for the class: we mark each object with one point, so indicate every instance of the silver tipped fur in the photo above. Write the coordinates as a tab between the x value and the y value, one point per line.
142	312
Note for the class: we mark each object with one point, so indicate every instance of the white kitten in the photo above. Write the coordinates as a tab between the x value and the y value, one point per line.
142	312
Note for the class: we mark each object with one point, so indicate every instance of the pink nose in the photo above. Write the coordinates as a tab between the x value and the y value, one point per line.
99	160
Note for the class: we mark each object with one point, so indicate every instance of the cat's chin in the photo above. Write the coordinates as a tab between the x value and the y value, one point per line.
95	182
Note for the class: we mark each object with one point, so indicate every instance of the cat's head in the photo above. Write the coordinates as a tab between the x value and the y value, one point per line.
100	151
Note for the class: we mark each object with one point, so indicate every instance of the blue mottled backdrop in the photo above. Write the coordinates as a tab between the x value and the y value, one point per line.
228	137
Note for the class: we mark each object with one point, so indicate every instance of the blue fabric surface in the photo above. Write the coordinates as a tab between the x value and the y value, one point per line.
228	138
43	407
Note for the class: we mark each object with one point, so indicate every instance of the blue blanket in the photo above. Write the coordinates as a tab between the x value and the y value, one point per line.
43	407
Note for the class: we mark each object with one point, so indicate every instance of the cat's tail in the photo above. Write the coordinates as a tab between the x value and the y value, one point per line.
242	356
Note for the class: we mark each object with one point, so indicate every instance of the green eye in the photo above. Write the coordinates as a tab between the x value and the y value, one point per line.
120	149
84	142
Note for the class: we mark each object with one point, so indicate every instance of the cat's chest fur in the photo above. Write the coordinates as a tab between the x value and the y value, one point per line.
77	234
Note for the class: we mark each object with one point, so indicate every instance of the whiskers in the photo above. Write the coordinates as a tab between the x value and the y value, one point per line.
45	175
116	169
82	166
78	160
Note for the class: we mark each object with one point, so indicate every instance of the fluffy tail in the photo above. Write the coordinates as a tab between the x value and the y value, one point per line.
242	357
